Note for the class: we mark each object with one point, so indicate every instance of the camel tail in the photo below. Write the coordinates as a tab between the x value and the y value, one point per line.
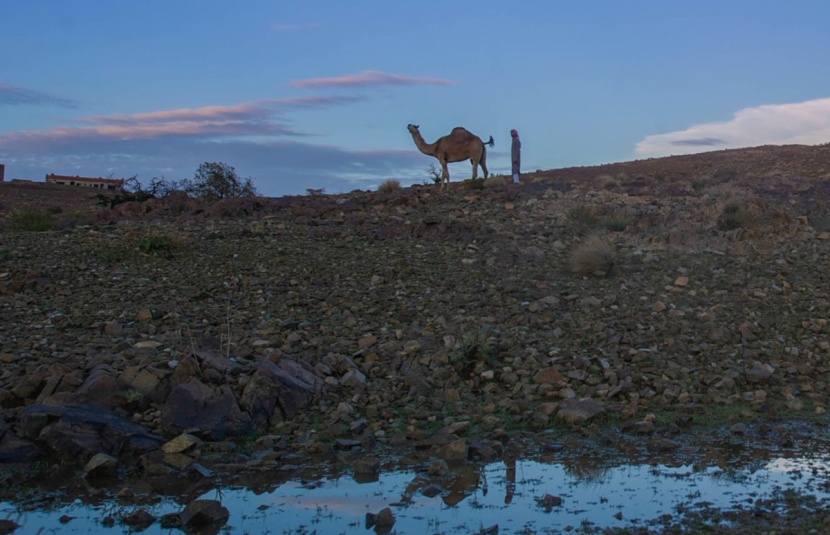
491	142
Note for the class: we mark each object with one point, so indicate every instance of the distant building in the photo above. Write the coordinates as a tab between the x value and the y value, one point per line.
98	183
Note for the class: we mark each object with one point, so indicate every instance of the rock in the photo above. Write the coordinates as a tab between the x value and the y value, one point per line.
548	501
80	432
200	513
382	521
759	373
8	526
369	466
181	443
139	520
738	429
576	411
353	379
100	465
547	376
644	428
438	468
455	451
196	405
278	391
14	449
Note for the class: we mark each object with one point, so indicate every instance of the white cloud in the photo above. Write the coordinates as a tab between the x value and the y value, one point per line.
803	123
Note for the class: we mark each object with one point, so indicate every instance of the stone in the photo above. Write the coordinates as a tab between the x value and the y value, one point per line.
278	391
80	432
181	443
455	451
200	513
196	405
101	464
548	375
139	520
576	411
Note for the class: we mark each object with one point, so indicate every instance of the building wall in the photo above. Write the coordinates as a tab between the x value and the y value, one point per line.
84	182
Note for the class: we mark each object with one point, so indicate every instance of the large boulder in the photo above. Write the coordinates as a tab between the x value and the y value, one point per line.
212	413
78	433
279	390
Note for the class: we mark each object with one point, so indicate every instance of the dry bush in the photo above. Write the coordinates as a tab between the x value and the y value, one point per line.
497	181
391	184
594	257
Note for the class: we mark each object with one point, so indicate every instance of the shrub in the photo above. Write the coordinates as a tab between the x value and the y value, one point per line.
32	220
391	184
594	257
616	222
474	183
497	180
154	242
218	180
698	185
582	215
732	216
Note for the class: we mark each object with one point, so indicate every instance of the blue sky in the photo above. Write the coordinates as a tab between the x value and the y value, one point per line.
317	94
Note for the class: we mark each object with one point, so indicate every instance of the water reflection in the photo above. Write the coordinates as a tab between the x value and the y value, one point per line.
509	493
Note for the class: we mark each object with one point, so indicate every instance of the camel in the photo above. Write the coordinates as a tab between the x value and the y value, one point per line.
460	145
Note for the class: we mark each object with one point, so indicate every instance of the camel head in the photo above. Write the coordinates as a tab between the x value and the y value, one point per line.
413	128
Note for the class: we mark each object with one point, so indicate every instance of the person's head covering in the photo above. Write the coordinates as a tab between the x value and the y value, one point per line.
514	133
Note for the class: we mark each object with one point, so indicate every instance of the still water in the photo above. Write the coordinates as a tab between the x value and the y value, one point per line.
520	497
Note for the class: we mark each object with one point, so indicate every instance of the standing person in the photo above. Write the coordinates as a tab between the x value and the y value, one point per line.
516	154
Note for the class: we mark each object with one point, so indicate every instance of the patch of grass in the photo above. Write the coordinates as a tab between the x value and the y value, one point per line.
495	181
474	183
583	216
699	185
155	242
616	222
32	220
472	346
55	210
391	184
732	216
595	257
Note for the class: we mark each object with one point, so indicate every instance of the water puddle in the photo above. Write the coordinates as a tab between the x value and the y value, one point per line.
529	496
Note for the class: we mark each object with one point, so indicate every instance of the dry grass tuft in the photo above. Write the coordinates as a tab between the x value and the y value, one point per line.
391	184
595	257
497	181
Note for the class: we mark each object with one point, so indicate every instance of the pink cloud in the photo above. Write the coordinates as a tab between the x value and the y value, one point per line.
257	118
367	78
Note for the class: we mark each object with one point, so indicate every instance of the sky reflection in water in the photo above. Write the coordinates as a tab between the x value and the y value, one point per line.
474	497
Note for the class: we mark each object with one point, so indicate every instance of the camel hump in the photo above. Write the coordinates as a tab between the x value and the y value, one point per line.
460	130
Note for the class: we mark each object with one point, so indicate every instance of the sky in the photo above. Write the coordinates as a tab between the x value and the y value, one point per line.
317	94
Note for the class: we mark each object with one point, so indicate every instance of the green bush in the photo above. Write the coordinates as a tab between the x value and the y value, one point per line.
155	243
732	216
616	223
582	215
32	220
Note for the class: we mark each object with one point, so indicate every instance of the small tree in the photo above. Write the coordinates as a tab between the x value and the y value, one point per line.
217	180
134	191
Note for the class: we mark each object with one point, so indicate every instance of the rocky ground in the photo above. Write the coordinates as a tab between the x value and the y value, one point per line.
644	299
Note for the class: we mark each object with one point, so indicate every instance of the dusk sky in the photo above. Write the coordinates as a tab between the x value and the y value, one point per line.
318	94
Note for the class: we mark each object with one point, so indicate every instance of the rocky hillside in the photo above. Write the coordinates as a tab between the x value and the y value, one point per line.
645	294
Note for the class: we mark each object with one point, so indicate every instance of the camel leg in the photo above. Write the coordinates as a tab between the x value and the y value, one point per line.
475	168
484	165
445	174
